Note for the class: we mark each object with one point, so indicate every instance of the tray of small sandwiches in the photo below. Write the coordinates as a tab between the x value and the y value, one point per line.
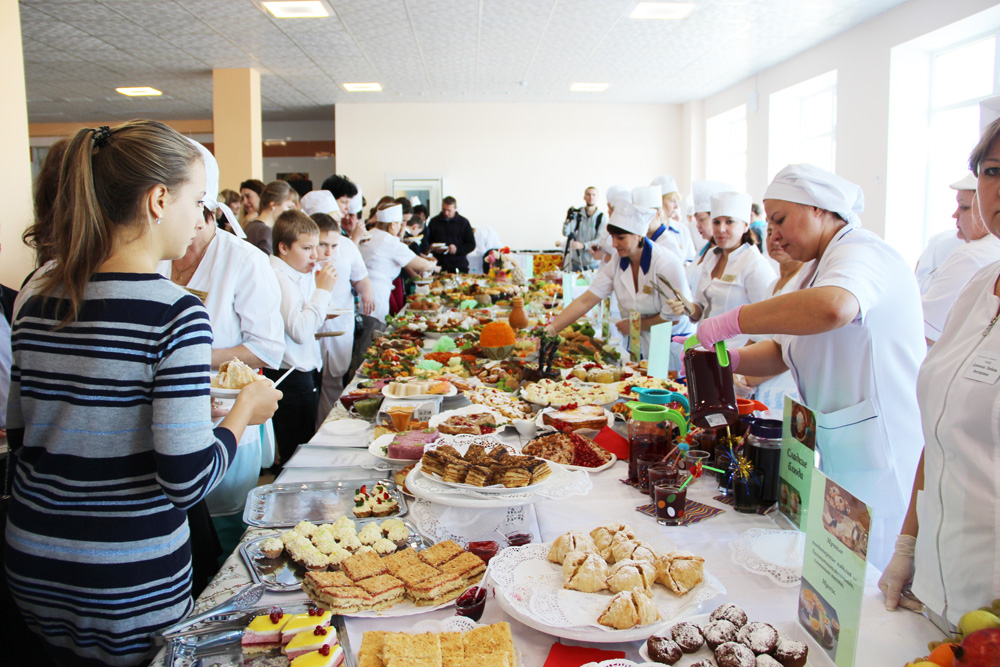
284	504
280	561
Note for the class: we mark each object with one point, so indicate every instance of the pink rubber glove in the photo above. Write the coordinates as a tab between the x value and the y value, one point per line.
721	327
734	358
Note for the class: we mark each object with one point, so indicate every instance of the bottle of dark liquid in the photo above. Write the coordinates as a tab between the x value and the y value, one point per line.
711	391
764	452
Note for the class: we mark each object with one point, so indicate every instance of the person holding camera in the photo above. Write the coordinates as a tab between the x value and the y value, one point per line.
582	228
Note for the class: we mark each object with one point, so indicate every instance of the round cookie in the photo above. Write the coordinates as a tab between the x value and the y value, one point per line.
758	637
732	654
765	660
719	632
731	613
707	662
791	653
688	636
663	650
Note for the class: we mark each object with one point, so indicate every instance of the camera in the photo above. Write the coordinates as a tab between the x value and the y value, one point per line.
574	214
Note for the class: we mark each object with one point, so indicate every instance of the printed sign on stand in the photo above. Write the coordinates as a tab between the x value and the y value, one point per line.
833	570
606	320
659	350
635	335
798	460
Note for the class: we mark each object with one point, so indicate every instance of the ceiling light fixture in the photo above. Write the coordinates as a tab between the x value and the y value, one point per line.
588	87
296	9
362	87
139	91
669	11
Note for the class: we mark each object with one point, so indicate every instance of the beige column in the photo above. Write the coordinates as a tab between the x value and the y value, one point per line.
16	259
237	125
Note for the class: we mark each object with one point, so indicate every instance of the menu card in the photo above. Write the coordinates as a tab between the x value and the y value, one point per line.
833	570
606	319
635	335
798	459
659	350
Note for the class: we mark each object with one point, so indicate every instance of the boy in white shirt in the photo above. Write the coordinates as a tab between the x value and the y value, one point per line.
305	299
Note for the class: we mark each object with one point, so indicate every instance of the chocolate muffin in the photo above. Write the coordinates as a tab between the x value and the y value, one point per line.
719	632
758	637
730	612
688	636
765	660
663	650
791	653
732	654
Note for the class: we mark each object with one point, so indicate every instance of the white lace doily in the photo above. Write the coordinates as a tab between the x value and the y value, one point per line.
562	483
378	465
534	588
462	525
776	554
452	624
462	441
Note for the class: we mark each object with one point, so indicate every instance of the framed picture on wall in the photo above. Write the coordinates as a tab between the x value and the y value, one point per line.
428	189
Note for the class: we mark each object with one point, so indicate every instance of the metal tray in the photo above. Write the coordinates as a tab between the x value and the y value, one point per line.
219	643
282	574
281	505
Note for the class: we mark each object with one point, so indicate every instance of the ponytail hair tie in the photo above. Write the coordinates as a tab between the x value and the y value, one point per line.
102	136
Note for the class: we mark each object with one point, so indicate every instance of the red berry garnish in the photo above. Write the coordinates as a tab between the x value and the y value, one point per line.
275	616
315	611
320	631
324	650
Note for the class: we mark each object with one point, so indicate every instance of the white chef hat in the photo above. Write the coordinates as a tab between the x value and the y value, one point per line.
809	185
631	218
391	214
967	182
647	196
702	192
319	201
667	184
357	201
734	205
616	192
687	206
989	111
211	198
415	200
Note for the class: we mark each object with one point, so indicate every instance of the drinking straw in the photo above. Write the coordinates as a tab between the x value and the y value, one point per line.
698	468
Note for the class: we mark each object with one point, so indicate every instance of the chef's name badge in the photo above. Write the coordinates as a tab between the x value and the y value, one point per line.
728	278
648	289
985	368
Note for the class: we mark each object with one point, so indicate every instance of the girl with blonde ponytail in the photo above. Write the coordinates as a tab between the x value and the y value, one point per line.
109	409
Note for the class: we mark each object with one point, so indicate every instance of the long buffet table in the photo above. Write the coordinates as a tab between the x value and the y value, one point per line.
886	638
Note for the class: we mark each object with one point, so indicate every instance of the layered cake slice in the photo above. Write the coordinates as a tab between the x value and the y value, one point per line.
384	589
362	566
436	590
466	565
440	553
306	642
328	656
308	621
263	634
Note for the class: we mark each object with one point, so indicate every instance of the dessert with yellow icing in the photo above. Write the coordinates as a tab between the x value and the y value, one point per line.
302	622
307	642
264	632
328	656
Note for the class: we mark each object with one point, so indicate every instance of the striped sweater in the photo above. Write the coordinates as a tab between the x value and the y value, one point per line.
112	414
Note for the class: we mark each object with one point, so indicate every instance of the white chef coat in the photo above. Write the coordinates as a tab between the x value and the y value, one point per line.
487	239
336	351
676	238
747	279
958	545
243	306
303	311
771	392
938	248
951	277
385	256
862	378
616	277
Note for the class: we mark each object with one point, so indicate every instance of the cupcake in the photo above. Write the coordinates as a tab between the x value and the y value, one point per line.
271	547
305	528
398	534
384	546
370	534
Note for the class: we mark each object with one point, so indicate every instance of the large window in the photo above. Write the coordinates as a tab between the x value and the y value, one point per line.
960	76
803	124
726	147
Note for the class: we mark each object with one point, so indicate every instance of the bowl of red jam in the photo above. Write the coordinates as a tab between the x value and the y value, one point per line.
486	549
471	603
518	539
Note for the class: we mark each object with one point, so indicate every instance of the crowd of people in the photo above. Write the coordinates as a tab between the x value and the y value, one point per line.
127	483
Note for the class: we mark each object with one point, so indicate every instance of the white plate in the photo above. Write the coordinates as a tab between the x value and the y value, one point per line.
375	449
614	460
216	392
425	488
540	422
530	588
492	490
466	410
420	397
345	427
337	312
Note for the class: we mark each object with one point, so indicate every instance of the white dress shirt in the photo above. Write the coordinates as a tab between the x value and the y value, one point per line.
385	256
303	311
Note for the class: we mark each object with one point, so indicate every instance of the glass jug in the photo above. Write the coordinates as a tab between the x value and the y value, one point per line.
651	433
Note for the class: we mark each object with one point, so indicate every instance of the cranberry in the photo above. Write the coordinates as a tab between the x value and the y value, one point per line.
324	649
275	616
315	611
320	631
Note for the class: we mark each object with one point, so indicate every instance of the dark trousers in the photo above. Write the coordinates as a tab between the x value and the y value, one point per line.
295	419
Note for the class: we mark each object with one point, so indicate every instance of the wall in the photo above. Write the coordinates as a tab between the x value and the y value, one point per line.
516	167
861	57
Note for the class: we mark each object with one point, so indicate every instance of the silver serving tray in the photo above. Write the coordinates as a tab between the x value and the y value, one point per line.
281	574
281	505
219	643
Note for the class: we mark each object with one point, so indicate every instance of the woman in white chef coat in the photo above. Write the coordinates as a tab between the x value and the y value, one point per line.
385	255
979	248
242	299
668	230
852	337
633	276
664	231
955	492
734	273
336	350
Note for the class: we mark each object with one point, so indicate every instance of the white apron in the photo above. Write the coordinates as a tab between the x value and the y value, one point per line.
862	377
772	392
385	256
747	279
957	554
